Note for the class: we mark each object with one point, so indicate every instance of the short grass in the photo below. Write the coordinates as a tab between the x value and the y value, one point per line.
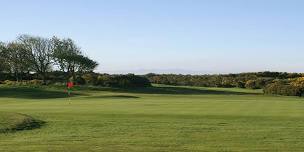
162	118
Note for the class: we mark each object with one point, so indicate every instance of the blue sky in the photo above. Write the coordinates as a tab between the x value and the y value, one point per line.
169	36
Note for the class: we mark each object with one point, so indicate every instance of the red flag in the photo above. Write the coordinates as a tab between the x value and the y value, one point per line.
70	85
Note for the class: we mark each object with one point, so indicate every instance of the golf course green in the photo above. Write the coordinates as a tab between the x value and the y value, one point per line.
160	118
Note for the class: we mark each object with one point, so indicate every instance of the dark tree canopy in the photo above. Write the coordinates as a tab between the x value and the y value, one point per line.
33	54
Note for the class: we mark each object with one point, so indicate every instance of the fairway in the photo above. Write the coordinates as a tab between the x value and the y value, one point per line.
161	118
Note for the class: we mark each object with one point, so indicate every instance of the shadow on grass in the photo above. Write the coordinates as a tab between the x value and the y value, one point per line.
43	93
113	97
32	93
173	90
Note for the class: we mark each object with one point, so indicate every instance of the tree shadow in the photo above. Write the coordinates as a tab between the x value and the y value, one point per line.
32	93
113	97
42	93
173	91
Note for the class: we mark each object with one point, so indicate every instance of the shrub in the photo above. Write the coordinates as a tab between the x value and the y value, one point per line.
79	80
129	80
240	84
258	83
90	78
104	80
280	88
9	82
299	82
35	82
226	83
251	84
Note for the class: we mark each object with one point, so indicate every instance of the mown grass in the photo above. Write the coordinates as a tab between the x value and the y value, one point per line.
163	118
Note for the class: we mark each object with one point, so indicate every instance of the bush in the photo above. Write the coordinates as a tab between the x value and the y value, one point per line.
240	84
35	82
104	80
299	82
129	80
79	80
9	82
251	84
90	78
280	88
258	83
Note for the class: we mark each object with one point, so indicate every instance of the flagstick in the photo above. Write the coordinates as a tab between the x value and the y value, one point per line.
69	89
69	93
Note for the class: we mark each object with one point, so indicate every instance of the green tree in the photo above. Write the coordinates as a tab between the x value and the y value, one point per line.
4	65
69	58
17	58
41	51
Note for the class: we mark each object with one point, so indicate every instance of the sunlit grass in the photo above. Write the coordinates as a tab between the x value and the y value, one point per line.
163	118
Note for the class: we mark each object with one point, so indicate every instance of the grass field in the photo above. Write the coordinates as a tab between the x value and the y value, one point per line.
161	118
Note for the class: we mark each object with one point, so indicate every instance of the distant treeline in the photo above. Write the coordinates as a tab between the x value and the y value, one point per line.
90	78
281	83
243	80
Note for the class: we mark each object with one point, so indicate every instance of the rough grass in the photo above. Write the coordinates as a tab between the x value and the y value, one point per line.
11	122
162	118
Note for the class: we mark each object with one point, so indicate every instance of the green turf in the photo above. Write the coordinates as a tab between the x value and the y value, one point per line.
162	118
12	122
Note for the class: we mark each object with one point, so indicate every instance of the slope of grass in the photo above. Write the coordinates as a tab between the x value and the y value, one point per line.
11	122
163	118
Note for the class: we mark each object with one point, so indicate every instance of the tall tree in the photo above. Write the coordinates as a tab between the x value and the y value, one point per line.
69	58
41	51
4	65
18	59
65	52
86	64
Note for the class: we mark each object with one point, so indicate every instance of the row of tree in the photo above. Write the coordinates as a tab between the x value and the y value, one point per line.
106	80
281	83
243	80
96	79
32	54
287	87
39	60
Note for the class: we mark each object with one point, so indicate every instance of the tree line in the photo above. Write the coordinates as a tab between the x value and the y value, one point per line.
33	54
256	80
281	83
37	60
